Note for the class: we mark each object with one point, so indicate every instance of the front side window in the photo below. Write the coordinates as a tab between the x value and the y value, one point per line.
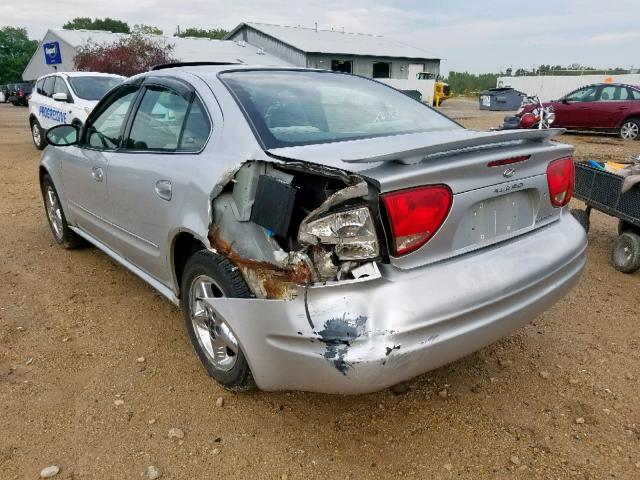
47	88
158	121
587	94
93	88
289	108
61	87
613	92
106	129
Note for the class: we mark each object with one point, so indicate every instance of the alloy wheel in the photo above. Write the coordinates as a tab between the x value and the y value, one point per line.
213	334
629	131
54	212
35	131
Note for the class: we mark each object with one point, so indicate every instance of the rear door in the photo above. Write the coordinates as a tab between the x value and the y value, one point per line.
150	177
611	107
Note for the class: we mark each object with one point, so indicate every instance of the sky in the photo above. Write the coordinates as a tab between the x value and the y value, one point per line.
473	35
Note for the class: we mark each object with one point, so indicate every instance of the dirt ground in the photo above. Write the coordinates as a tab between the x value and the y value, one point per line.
558	399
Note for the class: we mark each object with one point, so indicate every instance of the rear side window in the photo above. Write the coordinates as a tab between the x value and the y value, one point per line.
48	85
196	128
634	94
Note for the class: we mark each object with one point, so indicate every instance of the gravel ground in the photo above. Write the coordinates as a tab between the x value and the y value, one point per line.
558	399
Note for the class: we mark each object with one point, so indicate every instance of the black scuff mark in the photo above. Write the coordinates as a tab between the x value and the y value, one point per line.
391	349
306	307
338	335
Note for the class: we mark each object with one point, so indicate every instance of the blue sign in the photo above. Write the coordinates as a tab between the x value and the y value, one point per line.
52	53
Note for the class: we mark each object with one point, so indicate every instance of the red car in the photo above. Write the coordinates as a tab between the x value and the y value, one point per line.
603	107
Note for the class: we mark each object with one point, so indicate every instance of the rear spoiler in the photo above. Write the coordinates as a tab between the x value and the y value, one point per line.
412	149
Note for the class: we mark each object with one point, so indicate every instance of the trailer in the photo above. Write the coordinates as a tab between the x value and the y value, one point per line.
602	190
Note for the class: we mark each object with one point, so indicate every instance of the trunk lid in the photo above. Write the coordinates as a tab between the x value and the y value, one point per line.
491	204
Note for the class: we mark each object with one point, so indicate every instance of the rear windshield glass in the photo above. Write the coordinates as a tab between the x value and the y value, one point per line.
93	88
289	108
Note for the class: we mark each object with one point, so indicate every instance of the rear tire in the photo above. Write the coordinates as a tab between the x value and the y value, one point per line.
630	129
62	234
209	275
626	253
582	216
37	135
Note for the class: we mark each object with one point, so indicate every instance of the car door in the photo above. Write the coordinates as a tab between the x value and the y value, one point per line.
611	107
573	110
84	167
149	179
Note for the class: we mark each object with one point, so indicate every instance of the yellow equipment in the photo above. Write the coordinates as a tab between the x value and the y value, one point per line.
441	90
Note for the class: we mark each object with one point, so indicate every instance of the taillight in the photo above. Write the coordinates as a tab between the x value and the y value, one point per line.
21	93
415	215
561	178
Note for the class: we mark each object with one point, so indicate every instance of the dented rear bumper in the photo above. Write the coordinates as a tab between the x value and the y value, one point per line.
367	335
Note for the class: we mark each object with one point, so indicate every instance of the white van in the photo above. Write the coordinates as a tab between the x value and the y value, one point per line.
66	97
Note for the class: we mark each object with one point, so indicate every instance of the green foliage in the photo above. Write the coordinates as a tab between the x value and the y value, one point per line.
143	29
573	69
15	52
107	24
214	33
464	83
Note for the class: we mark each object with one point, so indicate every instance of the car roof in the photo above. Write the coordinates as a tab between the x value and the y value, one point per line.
82	74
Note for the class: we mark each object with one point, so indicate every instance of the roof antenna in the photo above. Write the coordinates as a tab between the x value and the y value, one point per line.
316	27
342	29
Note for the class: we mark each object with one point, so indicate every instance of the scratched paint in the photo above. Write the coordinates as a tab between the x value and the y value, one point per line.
338	335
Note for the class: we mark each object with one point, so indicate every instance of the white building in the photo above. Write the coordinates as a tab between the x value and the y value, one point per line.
58	49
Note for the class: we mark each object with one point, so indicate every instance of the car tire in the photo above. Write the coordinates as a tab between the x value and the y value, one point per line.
627	227
210	275
37	135
582	216
626	253
630	129
62	234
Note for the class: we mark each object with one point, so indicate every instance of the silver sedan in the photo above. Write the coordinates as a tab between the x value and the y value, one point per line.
320	231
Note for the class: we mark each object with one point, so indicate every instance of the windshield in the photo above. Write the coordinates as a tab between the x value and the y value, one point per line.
289	108
93	88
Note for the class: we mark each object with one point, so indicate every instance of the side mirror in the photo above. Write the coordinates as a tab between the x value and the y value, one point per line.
60	97
565	101
63	135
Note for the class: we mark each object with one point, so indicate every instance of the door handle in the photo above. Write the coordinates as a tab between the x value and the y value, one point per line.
97	173
163	189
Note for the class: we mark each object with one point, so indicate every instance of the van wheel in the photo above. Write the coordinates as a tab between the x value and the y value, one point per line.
62	234
207	275
37	135
626	252
630	129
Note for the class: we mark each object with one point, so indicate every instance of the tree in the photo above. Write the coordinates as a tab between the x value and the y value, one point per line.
214	33
15	52
143	29
464	83
127	56
107	24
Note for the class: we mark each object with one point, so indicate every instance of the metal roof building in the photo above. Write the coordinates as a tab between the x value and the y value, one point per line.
367	55
58	48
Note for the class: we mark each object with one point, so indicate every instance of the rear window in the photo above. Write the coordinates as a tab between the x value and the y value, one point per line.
290	108
93	88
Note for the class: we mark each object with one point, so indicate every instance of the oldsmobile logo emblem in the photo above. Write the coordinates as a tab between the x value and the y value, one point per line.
509	172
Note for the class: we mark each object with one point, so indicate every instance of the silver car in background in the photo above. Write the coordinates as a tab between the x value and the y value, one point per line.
320	231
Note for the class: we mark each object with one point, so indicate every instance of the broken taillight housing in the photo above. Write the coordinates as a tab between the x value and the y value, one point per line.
351	231
561	179
416	214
